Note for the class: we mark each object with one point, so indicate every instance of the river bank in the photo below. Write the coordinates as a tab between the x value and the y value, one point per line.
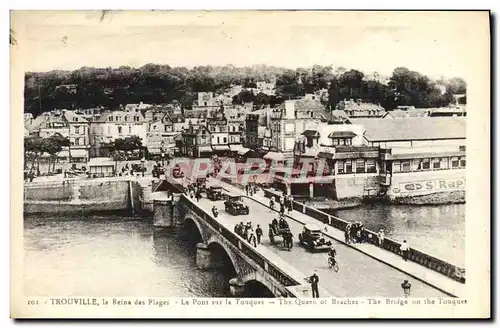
441	198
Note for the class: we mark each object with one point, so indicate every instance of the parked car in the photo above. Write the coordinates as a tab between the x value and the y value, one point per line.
312	239
235	205
138	168
215	193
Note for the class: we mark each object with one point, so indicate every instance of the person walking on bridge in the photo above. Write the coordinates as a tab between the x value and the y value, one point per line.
259	233
314	280
405	249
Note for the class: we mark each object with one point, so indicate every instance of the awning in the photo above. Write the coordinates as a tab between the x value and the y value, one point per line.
221	147
310	152
154	151
235	148
326	155
79	153
311	133
205	149
342	134
243	151
274	156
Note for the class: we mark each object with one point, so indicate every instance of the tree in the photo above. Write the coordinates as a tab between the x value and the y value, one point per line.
53	145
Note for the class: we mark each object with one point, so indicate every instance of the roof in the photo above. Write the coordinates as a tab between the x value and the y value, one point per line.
415	128
412	112
312	227
98	161
342	134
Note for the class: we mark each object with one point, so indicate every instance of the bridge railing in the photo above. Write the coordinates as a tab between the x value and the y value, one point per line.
242	245
429	261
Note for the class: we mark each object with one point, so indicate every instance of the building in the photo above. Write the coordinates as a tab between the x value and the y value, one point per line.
407	113
160	137
79	136
288	121
196	142
235	126
219	134
359	109
251	131
448	111
52	124
112	125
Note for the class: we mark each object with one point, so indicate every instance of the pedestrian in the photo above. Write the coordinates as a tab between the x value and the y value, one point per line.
405	249
282	208
198	195
314	280
290	204
251	238
259	233
271	204
246	189
406	288
347	233
381	237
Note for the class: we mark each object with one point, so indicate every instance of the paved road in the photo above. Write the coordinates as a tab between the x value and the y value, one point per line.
358	276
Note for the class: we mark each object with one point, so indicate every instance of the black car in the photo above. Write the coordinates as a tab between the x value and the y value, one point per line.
235	206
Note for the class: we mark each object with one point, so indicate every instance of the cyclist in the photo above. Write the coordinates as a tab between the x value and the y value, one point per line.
332	252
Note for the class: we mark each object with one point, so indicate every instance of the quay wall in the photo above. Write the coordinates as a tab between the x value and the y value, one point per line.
82	196
356	185
415	184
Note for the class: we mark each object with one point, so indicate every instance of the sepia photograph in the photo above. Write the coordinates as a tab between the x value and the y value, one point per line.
250	164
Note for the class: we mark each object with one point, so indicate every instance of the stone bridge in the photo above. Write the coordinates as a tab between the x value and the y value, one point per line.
220	247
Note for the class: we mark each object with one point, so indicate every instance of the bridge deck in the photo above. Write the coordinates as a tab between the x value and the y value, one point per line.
368	254
359	275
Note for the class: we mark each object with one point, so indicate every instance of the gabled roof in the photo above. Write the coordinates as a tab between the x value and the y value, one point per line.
415	128
412	112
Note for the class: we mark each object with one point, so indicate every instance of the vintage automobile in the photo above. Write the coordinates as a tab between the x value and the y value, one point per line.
235	205
215	193
138	168
312	239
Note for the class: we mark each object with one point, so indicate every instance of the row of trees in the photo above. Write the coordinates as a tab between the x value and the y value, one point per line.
35	147
91	87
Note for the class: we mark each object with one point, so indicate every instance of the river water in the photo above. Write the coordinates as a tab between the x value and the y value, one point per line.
436	230
117	256
111	256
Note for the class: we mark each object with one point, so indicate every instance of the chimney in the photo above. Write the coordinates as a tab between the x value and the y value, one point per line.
289	109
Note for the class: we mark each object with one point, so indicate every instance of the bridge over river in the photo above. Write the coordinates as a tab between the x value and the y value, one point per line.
363	273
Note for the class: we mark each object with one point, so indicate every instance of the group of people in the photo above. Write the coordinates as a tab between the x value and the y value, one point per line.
285	203
246	232
282	227
355	233
194	191
251	189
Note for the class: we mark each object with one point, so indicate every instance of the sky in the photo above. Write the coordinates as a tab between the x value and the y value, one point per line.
435	44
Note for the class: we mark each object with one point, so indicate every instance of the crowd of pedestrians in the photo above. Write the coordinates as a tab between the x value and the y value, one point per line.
247	232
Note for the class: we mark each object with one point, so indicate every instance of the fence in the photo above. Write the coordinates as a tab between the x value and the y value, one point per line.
390	245
242	245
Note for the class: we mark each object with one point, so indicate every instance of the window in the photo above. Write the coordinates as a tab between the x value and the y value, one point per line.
340	167
371	166
110	118
309	142
396	167
75	119
218	140
436	163
406	166
462	161
119	129
455	162
136	118
225	140
426	164
336	142
347	142
77	141
360	166
348	166
444	163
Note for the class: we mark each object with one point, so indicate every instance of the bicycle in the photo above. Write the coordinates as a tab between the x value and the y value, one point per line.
332	263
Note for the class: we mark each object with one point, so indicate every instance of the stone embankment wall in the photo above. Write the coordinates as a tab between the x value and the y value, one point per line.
82	196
